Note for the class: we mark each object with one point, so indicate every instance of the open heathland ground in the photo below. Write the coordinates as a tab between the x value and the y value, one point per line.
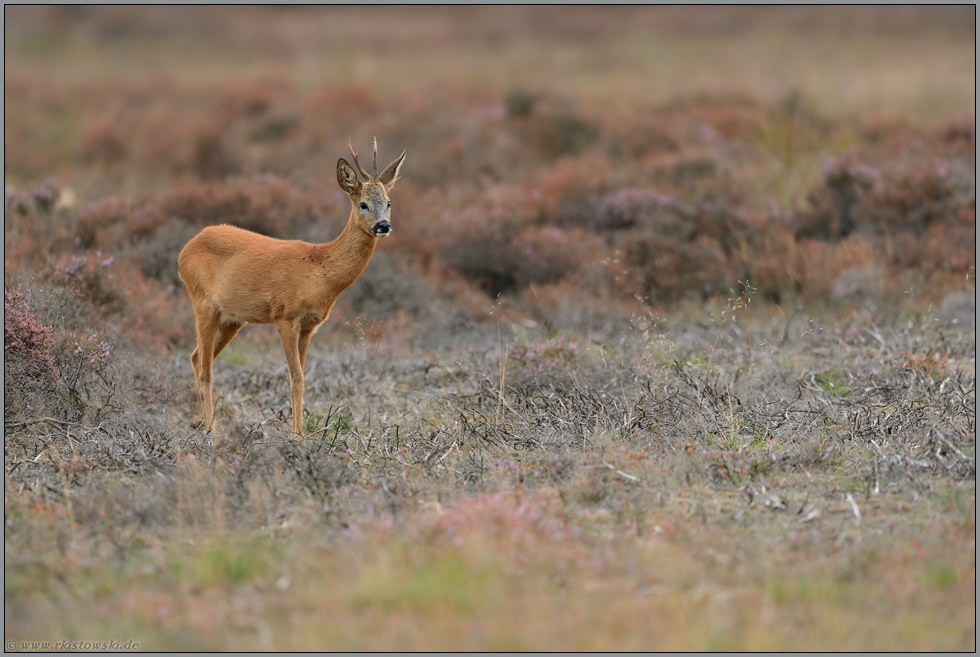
673	345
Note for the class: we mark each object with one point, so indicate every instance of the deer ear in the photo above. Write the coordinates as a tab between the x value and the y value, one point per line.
390	174
347	178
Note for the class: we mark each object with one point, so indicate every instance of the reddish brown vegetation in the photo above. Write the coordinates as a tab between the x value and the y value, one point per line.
26	341
507	192
662	199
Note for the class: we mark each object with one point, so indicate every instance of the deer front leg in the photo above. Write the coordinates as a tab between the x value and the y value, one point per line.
289	335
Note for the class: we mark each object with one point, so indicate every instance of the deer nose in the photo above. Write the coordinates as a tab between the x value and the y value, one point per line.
382	228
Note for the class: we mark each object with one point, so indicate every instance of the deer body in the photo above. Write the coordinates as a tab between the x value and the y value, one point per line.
291	280
237	277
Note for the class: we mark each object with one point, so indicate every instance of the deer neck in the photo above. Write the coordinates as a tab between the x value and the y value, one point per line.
351	250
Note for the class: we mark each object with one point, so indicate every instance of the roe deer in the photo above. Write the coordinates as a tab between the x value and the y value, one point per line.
236	277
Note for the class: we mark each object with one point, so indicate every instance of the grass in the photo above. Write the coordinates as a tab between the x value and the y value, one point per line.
438	585
763	53
563	526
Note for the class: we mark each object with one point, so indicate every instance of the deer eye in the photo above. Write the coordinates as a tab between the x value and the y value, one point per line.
389	204
364	205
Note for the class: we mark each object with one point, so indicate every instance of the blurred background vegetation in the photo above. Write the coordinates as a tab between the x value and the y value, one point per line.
698	148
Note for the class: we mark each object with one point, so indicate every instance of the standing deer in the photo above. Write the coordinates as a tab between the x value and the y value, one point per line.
236	277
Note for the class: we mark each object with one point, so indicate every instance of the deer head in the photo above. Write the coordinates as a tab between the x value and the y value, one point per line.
370	199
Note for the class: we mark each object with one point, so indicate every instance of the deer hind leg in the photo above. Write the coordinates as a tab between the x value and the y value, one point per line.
202	359
290	335
226	332
304	344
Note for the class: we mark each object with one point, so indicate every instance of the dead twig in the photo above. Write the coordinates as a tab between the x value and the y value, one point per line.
39	420
855	509
624	475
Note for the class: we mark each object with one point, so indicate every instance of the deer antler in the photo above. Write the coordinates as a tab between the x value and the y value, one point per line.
364	174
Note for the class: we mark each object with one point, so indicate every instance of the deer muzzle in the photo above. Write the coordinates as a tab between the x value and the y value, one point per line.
381	229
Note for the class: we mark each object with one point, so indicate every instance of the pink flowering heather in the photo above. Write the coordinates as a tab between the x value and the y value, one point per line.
25	336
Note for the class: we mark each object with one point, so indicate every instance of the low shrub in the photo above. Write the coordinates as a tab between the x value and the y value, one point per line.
569	193
507	256
51	370
629	207
632	206
836	204
553	127
90	277
543	359
158	255
26	341
103	141
918	217
665	268
387	287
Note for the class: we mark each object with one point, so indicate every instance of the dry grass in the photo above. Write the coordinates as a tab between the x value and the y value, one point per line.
746	495
673	346
869	61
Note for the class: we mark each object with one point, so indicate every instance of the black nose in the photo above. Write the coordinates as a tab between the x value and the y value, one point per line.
382	228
